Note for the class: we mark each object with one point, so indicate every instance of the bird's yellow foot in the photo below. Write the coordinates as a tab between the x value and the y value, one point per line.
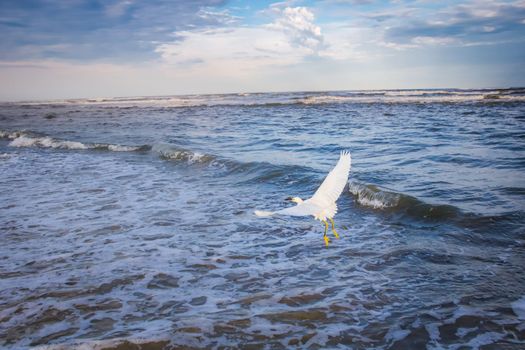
326	240
333	228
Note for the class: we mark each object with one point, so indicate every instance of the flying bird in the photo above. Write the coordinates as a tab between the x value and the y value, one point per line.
322	205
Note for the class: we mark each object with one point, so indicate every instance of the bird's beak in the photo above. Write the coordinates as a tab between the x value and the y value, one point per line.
288	199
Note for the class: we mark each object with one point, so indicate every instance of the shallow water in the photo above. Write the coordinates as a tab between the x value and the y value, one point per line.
131	220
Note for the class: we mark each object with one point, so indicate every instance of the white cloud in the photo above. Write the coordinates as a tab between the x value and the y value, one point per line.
298	24
470	23
421	41
398	46
235	49
344	42
289	39
220	17
433	40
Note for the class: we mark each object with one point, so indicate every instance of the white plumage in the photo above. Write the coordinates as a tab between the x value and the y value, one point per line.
322	205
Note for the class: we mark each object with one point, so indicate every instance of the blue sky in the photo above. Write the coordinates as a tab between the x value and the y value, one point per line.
78	48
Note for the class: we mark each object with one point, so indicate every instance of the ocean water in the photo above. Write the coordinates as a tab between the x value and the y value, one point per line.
129	221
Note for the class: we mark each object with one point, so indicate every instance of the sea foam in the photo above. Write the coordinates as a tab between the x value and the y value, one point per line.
373	197
30	139
519	307
46	142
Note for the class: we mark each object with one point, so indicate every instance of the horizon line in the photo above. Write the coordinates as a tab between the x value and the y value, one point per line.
258	92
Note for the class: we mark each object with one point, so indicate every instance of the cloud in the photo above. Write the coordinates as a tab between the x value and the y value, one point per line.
464	24
112	30
433	40
290	38
220	18
298	24
137	31
231	50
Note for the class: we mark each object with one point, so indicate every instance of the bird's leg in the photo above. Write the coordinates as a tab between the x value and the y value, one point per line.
333	228
325	237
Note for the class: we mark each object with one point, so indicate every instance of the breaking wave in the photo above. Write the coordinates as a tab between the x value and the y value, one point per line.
366	195
45	142
31	139
168	152
377	198
418	96
372	196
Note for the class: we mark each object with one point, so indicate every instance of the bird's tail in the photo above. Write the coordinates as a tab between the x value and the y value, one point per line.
263	214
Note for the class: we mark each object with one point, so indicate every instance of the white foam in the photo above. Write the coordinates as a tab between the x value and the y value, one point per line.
413	96
46	142
372	203
433	331
519	307
484	339
168	152
23	139
462	332
120	148
396	334
10	134
326	99
195	157
375	199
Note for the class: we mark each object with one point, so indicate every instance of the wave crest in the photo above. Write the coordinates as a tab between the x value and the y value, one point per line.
374	197
31	139
179	154
45	142
169	152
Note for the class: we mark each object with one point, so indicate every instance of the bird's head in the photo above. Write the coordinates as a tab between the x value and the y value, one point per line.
294	199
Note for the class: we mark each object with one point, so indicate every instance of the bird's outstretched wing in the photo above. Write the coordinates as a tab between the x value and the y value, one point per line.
302	209
334	183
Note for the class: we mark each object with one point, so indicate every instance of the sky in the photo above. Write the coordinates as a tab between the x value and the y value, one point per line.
58	49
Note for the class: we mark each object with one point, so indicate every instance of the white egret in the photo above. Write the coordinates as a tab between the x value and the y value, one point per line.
322	205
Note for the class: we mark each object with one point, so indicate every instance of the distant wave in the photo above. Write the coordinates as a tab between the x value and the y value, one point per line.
306	98
164	151
420	96
32	139
248	171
